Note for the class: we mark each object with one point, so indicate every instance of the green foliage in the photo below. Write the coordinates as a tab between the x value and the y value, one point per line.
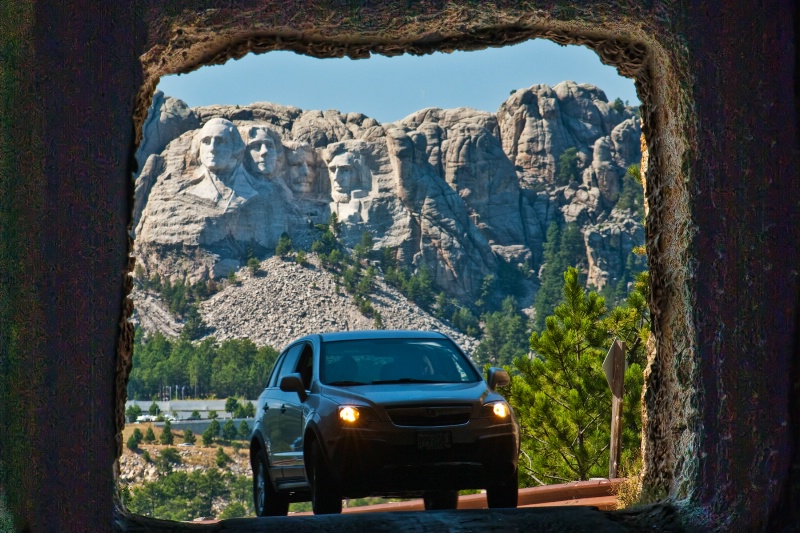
244	430
505	335
249	410
214	428
466	322
284	247
231	404
229	430
363	249
618	106
239	411
378	322
195	415
233	510
183	497
133	412
567	168
166	434
221	458
146	457
149	435
134	440
561	396
167	459
631	195
417	287
212	414
193	325
208	437
232	278
300	258
562	249
154	408
188	436
235	367
253	265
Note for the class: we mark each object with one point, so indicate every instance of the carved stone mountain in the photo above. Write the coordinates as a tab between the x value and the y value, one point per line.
456	190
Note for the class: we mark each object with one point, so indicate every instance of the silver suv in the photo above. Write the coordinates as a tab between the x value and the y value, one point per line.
381	413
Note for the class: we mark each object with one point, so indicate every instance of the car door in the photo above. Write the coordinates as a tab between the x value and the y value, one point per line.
294	414
277	433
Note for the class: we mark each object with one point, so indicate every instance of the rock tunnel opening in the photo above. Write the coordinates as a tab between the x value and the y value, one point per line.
669	386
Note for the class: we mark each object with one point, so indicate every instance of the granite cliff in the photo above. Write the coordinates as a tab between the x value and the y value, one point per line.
457	190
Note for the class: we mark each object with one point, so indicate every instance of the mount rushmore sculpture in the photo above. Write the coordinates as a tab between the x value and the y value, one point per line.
456	190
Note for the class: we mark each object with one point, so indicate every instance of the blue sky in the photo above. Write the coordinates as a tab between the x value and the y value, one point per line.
390	88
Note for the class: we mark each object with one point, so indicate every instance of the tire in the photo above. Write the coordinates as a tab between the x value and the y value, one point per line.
440	499
505	495
266	500
325	495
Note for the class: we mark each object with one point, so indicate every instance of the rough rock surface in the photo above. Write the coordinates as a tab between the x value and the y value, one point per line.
438	186
284	301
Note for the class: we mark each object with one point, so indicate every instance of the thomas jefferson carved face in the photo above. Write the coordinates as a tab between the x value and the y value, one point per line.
262	155
221	146
342	171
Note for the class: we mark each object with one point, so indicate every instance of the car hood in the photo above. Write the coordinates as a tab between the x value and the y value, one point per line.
411	393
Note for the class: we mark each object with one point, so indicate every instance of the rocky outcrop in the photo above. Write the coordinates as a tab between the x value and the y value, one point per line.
456	190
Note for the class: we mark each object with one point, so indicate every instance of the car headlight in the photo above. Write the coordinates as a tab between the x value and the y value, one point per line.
348	415
497	410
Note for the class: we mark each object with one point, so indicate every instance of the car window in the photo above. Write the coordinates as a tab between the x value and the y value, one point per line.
288	364
305	365
368	361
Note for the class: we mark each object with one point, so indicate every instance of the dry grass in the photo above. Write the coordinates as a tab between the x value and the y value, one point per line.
630	490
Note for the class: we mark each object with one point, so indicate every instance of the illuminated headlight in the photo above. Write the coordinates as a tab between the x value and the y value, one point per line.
500	410
497	410
348	414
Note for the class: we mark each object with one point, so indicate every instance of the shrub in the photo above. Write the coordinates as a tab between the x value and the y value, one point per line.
133	412
134	440
166	434
188	436
233	510
284	246
253	265
244	430
149	436
300	258
221	458
195	415
146	457
229	430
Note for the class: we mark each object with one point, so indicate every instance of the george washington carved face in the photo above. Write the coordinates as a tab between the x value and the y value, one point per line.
220	147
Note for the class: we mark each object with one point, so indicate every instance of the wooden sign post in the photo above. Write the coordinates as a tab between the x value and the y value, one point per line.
614	367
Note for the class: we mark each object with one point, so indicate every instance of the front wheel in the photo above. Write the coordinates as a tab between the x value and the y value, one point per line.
267	501
440	499
503	495
325	495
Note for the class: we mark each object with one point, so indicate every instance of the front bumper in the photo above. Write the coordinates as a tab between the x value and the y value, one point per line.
382	459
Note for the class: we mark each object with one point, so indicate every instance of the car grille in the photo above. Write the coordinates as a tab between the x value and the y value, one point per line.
429	415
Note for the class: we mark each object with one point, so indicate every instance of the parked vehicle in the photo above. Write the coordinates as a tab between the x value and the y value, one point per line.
381	413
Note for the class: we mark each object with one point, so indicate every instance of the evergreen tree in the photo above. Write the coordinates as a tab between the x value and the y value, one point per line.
364	247
221	458
188	436
250	409
567	168
133	412
300	258
618	105
244	430
229	430
214	427
464	321
505	336
154	410
195	415
230	405
284	246
208	437
149	436
212	414
561	396
166	434
134	440
562	249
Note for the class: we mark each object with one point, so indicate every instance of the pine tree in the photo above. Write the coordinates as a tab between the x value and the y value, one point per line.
134	440
166	434
505	336
284	246
188	436
561	396
244	430
149	436
229	430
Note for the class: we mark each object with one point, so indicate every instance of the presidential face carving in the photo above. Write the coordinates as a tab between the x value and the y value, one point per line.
262	155
341	170
220	146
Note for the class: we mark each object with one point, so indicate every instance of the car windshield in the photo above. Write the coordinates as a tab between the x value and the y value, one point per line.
384	361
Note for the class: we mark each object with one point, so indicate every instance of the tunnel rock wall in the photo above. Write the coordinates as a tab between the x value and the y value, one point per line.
720	119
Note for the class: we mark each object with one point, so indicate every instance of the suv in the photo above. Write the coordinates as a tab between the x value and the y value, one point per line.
381	413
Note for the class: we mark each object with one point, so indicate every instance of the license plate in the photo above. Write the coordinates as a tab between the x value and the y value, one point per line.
433	440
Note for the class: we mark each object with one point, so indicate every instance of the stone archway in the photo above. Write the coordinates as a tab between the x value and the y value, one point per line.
671	419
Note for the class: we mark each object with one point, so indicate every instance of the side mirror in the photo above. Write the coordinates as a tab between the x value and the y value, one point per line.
294	383
497	377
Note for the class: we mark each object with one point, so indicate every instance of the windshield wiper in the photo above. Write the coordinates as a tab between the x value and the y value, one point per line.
345	383
407	380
